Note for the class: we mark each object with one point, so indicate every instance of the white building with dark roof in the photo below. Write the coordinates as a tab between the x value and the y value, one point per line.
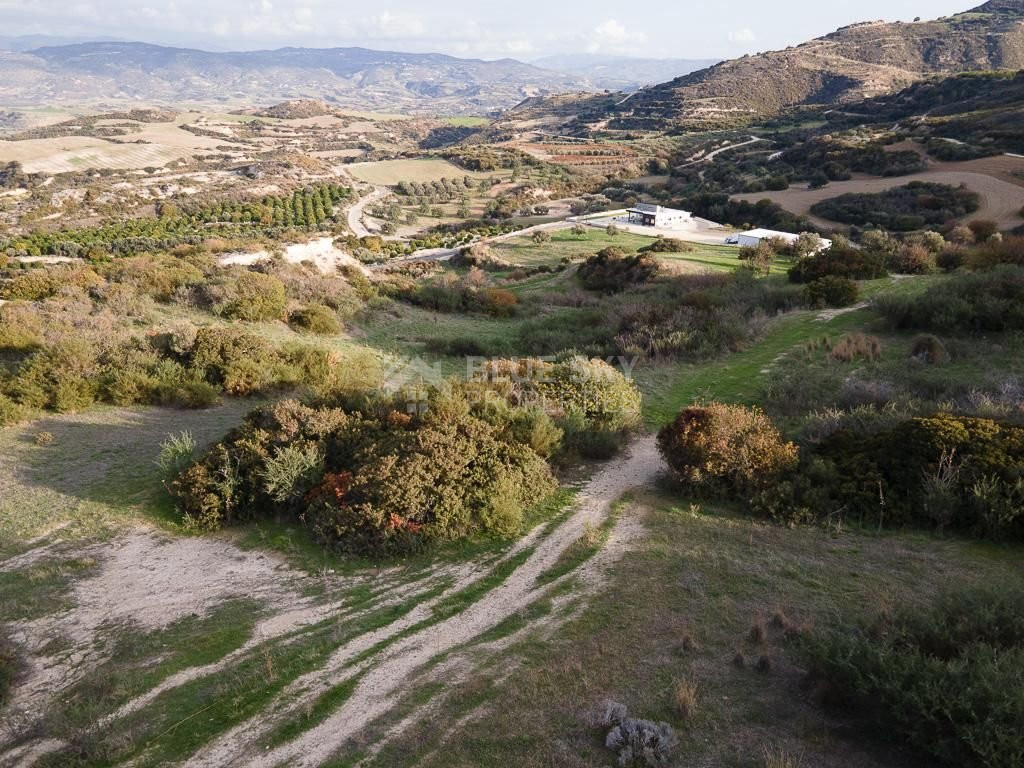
648	215
753	238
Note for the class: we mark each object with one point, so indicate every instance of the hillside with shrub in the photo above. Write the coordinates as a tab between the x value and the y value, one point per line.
845	67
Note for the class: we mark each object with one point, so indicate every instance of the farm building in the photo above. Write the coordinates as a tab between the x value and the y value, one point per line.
754	237
656	216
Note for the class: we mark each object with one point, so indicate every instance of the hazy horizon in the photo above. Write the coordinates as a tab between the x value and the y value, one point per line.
529	31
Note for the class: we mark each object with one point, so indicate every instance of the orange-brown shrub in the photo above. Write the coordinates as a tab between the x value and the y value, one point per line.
725	447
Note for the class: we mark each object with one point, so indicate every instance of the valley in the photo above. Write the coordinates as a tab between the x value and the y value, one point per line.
398	409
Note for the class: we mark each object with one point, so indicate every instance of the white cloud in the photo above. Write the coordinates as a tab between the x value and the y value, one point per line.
745	35
611	36
392	26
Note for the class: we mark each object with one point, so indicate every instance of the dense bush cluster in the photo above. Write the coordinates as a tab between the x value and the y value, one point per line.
186	367
592	403
943	471
977	302
948	678
368	481
449	293
611	270
372	480
836	160
379	476
724	209
688	316
841	260
69	335
901	209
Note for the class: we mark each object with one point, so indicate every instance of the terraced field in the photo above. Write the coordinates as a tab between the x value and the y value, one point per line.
81	153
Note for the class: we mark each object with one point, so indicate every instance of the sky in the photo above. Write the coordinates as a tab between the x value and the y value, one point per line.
522	29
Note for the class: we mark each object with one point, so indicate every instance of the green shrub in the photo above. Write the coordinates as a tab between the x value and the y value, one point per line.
10	411
967	303
1009	250
929	349
10	667
61	378
256	297
841	260
725	448
913	259
156	276
239	362
950	259
759	258
375	481
176	453
983	229
21	328
316	318
889	475
190	394
603	397
668	245
948	678
611	270
832	291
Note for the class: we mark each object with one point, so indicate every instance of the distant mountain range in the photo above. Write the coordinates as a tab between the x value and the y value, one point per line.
353	77
854	63
38	70
622	72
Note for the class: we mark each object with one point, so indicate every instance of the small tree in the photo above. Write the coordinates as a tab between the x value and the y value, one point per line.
758	258
579	230
807	244
983	229
611	230
913	259
540	236
961	235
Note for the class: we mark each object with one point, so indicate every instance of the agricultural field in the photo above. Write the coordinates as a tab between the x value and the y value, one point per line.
391	172
81	154
1001	200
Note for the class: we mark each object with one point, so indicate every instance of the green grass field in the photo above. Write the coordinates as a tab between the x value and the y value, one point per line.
390	172
523	251
738	377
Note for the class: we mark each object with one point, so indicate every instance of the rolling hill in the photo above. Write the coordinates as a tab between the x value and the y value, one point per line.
350	77
847	66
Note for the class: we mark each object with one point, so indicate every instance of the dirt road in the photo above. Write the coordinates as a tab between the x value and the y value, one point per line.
385	677
139	579
355	213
